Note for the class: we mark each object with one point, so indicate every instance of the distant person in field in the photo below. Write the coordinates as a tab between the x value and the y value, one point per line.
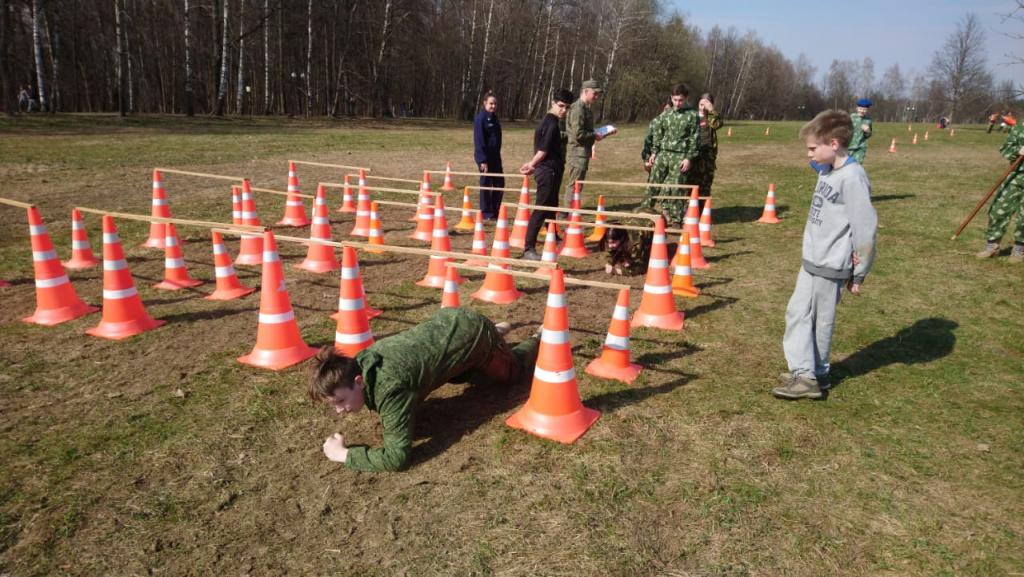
838	249
675	135
487	155
23	98
394	375
861	130
707	155
547	167
579	131
992	120
1008	200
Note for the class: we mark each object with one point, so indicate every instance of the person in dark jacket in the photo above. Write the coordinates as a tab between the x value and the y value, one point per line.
392	377
487	154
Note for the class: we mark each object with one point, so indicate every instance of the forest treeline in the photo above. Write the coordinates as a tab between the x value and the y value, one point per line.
436	58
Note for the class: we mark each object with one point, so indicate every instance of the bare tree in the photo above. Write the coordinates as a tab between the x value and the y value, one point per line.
240	88
225	56
37	50
959	66
483	53
189	72
122	59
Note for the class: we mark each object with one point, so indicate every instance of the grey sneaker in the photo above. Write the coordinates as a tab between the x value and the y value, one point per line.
785	377
530	255
1017	254
991	249
503	327
799	387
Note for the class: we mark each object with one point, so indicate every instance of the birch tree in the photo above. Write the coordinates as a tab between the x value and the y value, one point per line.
37	51
225	56
240	88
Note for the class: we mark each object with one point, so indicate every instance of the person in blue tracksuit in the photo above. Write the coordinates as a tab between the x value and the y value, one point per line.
487	155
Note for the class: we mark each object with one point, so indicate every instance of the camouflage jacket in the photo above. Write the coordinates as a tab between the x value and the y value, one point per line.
676	131
860	138
1012	145
709	124
579	128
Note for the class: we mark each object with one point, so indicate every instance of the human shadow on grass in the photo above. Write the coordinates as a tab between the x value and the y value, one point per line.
728	255
631	395
740	213
720	302
206	315
885	197
922	342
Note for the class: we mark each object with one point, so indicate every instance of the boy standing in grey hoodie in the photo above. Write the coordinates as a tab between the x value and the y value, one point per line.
838	249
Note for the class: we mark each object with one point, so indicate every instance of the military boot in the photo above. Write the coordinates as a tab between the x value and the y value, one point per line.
991	249
1017	254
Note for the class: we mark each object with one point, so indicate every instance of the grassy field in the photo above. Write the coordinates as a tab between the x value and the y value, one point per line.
161	455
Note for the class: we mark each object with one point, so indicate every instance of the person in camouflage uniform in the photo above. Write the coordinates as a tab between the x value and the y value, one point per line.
707	155
1009	200
861	131
392	377
579	130
675	136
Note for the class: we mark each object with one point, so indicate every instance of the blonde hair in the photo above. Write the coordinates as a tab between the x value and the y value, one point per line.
829	124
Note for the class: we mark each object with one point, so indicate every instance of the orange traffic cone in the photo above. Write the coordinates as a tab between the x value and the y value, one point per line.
228	287
347	204
278	342
657	306
450	296
479	240
353	333
926	136
554	410
682	277
447	184
768	215
425	213
522	220
176	276
600	219
376	236
466	223
576	203
728	132
123	312
81	251
236	204
319	257
362	224
347	275
705	225
573	247
250	249
914	141
56	299
614	360
294	208
499	288
691	220
550	252
697	254
436	271
892	145
159	208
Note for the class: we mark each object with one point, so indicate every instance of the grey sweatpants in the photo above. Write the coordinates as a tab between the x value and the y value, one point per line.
810	317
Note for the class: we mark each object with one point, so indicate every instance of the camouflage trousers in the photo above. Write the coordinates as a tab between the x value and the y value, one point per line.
1007	202
577	170
666	171
703	174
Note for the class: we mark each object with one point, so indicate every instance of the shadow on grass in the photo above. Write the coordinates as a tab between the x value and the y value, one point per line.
720	302
922	342
206	315
739	214
885	197
611	402
728	255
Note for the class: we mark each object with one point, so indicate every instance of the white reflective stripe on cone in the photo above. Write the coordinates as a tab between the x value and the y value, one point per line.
350	304
276	318
555	376
80	244
174	263
159	202
657	290
224	271
119	294
554	337
349	273
43	255
77	225
294	203
658	263
683	270
219	249
36	229
556	300
321	220
620	313
351	339
658	238
118	264
52	282
616	342
270	256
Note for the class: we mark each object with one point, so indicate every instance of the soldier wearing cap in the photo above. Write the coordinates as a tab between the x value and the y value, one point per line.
675	139
861	130
579	129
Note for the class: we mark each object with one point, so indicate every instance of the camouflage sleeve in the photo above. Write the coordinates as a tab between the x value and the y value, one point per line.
691	137
714	120
646	151
656	132
871	128
1013	143
396	418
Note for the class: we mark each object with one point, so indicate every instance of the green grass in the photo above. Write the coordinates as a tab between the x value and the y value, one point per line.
911	467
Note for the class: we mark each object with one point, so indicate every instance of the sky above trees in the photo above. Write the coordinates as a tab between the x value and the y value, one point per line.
904	32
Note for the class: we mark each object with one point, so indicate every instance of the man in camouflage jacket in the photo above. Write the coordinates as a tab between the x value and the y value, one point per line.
675	139
1009	200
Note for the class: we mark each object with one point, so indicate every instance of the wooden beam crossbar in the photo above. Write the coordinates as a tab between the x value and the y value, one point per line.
327	165
568	280
234	228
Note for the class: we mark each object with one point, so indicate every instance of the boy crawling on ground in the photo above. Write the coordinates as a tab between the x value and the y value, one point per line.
392	377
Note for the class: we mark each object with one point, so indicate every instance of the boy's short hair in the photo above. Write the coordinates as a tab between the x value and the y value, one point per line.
332	371
829	124
680	89
563	95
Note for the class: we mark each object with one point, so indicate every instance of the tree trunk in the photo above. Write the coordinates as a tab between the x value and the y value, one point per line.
266	57
122	57
54	33
378	78
222	85
467	71
309	59
37	49
10	104
240	89
483	57
189	97
575	45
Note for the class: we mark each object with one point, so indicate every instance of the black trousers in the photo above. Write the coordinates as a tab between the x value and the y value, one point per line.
549	184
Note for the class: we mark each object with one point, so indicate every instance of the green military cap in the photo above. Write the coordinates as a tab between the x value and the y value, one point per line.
593	85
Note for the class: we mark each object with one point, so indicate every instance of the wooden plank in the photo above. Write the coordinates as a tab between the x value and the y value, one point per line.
415	205
635	184
457	173
326	165
237	228
381	189
568	280
610	213
16	203
621	226
281	192
391	178
200	174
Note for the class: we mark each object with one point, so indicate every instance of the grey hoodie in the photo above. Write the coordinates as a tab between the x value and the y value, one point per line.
841	222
